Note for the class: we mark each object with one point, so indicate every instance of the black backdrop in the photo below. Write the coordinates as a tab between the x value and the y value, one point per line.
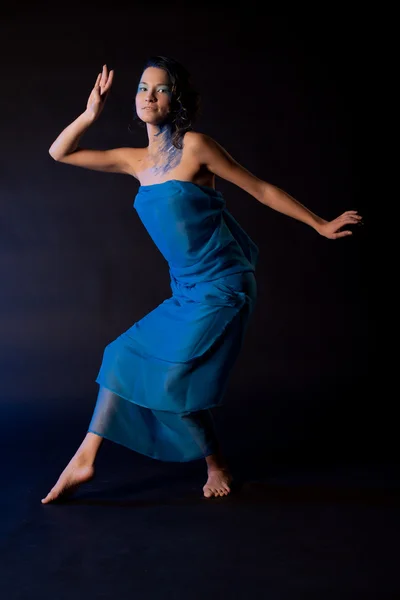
77	267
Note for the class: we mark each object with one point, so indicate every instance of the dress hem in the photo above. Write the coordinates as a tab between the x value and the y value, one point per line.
184	460
183	412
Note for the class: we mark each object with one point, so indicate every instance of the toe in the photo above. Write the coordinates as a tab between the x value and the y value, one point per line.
53	494
47	498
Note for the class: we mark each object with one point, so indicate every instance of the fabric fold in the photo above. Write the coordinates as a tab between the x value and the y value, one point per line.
166	371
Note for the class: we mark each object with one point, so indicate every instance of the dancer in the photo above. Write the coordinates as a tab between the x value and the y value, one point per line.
159	380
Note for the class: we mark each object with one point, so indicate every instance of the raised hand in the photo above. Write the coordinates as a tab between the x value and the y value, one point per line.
333	229
99	93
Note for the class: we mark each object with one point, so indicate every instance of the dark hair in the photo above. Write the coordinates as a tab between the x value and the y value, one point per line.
186	100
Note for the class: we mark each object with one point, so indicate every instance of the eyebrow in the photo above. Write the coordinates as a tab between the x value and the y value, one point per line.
167	84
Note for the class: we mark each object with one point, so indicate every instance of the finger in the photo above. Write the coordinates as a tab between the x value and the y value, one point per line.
348	220
351	213
342	234
104	75
347	214
109	81
97	87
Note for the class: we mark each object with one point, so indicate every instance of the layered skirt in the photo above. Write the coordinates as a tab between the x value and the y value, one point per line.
160	379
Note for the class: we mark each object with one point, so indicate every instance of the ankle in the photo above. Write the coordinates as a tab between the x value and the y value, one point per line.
87	451
84	458
216	462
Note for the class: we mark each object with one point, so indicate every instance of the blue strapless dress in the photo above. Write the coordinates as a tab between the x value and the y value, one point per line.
160	378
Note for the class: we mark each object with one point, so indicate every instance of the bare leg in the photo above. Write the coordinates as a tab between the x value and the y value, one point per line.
219	477
79	469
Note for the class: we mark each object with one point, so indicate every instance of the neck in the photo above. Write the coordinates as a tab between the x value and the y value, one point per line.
163	156
160	138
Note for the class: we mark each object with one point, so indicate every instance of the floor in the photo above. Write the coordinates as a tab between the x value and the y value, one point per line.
292	528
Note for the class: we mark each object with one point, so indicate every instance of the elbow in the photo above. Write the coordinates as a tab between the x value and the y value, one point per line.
57	156
53	156
267	193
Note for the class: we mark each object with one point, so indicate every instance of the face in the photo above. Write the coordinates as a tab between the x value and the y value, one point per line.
153	96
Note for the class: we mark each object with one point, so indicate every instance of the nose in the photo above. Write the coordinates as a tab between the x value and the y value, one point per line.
149	97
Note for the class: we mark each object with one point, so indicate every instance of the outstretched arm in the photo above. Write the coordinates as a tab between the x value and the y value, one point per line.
219	162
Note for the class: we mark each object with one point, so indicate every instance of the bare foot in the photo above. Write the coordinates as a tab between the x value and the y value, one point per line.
75	473
217	483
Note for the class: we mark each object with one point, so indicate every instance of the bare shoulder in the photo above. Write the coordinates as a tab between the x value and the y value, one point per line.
195	140
213	157
203	146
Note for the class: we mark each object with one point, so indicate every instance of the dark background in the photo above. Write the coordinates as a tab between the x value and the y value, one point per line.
77	267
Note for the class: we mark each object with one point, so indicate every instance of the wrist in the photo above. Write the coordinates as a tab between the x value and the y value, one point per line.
318	224
87	117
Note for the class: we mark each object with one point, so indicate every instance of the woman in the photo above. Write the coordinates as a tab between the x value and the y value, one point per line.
160	378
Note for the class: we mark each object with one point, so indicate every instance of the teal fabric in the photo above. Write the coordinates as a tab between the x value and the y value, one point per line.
160	378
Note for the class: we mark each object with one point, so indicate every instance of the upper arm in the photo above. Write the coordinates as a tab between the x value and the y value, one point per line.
218	161
115	160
